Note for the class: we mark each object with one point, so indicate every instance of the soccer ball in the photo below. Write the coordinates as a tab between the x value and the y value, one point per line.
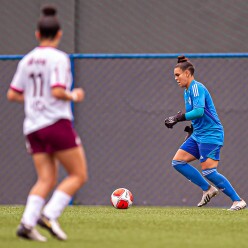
122	198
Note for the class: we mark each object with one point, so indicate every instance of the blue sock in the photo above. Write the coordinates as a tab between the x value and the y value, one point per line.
221	182
191	173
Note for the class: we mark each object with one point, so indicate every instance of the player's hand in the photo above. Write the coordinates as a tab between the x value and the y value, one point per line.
78	94
173	120
170	122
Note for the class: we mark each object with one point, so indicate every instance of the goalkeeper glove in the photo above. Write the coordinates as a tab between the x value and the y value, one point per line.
189	130
173	120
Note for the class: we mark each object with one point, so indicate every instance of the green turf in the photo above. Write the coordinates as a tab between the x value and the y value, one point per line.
136	227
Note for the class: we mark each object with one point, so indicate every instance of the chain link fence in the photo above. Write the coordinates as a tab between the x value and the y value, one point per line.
121	124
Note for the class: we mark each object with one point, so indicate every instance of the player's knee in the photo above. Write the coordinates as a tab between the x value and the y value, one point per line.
48	183
82	177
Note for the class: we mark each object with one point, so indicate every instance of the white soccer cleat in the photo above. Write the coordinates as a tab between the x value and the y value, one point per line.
207	195
29	233
53	227
238	205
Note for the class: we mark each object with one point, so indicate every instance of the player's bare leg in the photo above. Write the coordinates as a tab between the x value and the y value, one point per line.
47	175
47	172
74	162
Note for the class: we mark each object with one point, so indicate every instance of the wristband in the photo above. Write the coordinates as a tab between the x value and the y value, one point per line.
180	117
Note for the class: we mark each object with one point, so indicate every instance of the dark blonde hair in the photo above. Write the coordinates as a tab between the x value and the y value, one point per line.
184	64
48	24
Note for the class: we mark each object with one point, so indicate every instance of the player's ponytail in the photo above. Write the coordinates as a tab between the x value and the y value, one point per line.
184	64
48	24
49	10
181	59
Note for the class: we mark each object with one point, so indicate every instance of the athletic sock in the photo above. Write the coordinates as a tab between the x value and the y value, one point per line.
32	210
56	204
221	182
191	173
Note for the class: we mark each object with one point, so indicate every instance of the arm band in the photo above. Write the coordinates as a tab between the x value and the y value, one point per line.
194	114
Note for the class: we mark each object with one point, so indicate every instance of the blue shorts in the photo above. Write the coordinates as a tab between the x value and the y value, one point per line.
201	151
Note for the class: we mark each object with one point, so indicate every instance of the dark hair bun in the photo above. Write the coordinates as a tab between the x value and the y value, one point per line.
49	10
181	59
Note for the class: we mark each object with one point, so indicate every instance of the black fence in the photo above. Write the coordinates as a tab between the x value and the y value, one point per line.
121	124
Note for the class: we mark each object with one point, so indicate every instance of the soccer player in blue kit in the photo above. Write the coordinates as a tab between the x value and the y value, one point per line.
205	139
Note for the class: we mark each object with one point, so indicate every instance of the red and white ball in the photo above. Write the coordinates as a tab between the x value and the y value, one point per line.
122	198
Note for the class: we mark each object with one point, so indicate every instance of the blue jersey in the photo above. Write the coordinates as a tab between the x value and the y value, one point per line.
208	128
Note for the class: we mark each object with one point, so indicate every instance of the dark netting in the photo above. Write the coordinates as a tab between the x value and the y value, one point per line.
121	124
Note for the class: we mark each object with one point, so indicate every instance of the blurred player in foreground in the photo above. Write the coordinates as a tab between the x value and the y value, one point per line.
205	141
43	81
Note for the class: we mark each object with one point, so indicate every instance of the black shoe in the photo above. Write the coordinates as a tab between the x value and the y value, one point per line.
29	233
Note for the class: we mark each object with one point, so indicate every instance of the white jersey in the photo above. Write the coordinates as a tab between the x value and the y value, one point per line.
40	70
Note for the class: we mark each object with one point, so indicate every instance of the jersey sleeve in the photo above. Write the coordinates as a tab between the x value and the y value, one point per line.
18	81
198	96
61	73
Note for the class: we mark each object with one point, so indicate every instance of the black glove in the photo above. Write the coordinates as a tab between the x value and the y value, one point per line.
173	120
189	130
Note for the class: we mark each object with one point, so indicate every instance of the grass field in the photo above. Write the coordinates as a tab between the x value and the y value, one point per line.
136	227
